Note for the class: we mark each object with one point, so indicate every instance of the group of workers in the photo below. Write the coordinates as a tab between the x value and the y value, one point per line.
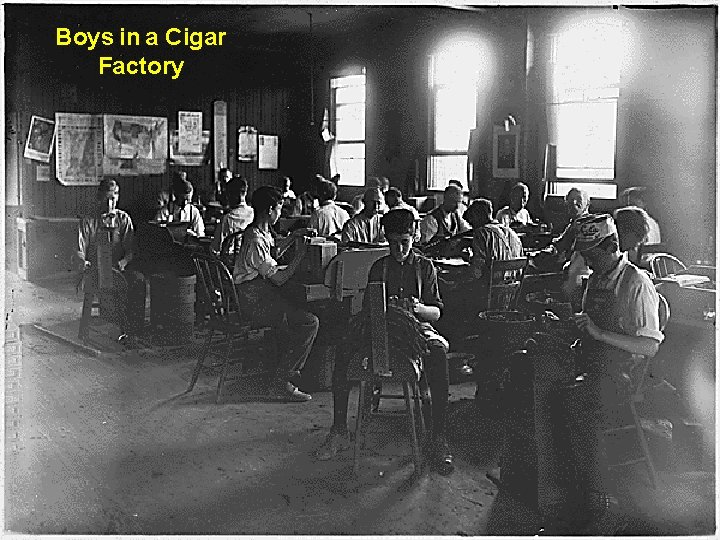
618	308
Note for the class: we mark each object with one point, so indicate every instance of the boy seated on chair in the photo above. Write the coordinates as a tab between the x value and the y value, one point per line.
119	228
620	321
258	279
412	279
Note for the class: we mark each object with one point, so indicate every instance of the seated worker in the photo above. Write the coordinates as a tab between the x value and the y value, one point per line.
412	279
240	215
445	221
258	279
634	197
365	226
162	212
462	205
288	193
357	200
223	179
107	214
620	320
394	200
183	210
329	219
515	212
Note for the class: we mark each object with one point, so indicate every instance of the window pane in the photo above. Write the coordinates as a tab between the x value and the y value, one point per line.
454	117
596	190
350	94
352	172
351	151
350	122
446	168
350	80
585	135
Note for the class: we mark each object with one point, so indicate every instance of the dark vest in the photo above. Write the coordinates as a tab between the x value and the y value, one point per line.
443	231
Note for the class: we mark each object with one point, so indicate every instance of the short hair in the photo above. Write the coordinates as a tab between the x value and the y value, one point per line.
457	183
265	198
236	189
632	219
479	210
394	191
373	181
398	221
520	187
583	195
106	185
370	192
453	190
327	191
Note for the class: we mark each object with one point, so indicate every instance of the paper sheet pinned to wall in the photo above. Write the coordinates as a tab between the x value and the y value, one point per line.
268	151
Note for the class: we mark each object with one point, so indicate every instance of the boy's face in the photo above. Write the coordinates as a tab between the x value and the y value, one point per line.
518	199
108	202
575	206
400	245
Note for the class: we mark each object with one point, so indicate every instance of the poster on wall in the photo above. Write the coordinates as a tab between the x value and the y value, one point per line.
188	159
134	145
190	132
220	149
247	143
506	156
268	151
40	139
42	173
135	137
79	152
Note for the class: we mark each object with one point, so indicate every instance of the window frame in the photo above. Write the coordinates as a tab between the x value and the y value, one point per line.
432	150
335	84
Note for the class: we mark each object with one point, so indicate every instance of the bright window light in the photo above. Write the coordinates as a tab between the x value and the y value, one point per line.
348	125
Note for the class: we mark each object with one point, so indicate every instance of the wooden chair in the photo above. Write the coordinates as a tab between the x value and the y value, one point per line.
380	371
663	265
229	249
506	279
110	303
637	397
347	274
225	318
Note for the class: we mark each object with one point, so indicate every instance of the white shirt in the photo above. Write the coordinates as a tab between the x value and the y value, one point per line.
361	228
507	215
329	219
429	226
255	257
235	220
191	214
653	236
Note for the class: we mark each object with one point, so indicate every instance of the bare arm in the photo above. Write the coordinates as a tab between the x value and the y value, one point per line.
633	344
281	277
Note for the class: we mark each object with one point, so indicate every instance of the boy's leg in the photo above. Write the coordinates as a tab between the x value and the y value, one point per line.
436	369
338	439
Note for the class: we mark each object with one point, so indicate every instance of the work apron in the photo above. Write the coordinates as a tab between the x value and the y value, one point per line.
432	337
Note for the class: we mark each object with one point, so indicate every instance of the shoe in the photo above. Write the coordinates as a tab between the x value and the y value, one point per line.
289	392
337	441
441	458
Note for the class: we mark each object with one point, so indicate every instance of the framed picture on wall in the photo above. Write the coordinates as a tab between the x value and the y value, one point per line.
40	139
506	152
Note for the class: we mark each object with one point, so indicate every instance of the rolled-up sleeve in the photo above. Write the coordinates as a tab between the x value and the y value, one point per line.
428	228
259	258
642	316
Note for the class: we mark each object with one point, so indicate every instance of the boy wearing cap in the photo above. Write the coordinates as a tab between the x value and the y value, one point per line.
412	279
620	318
365	226
120	232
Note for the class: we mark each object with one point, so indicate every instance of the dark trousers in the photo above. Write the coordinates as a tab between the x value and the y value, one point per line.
589	408
295	329
436	371
130	305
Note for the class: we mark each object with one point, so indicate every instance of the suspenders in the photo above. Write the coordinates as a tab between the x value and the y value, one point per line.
418	277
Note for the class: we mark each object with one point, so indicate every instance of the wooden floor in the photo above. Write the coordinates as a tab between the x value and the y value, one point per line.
107	445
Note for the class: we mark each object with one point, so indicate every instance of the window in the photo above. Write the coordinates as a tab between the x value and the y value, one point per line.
348	125
583	99
452	106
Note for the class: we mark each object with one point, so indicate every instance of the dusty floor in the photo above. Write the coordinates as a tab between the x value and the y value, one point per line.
108	445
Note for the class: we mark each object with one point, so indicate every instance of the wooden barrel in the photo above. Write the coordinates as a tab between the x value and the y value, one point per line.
172	308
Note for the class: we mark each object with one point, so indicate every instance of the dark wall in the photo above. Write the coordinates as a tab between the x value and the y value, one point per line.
260	81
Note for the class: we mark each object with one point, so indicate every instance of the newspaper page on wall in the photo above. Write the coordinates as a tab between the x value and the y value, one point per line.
190	132
40	139
79	152
247	143
134	145
267	151
188	159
